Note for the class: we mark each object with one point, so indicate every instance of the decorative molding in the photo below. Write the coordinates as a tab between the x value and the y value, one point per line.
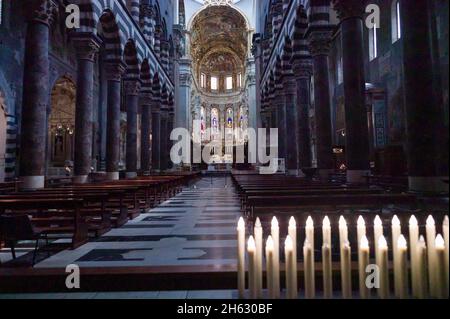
132	87
43	11
349	8
86	47
319	42
115	70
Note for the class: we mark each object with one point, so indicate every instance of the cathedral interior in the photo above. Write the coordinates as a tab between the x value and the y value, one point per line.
91	92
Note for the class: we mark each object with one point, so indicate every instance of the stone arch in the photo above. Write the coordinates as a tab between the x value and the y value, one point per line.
131	59
109	31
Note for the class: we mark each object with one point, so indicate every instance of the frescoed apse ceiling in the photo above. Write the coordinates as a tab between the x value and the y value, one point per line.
219	41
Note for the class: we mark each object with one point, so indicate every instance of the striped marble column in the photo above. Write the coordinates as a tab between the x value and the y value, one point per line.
134	8
131	90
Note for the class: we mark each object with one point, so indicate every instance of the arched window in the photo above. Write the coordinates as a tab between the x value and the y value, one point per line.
396	21
203	80
215	120
373	42
214	83
230	118
229	82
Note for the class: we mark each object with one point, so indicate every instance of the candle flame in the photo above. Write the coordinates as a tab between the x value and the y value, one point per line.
307	244
288	243
378	222
401	243
382	243
241	224
292	222
439	242
342	222
274	222
309	222
364	244
269	243
430	221
251	245
422	240
346	244
413	221
258	222
446	220
326	222
361	221
395	221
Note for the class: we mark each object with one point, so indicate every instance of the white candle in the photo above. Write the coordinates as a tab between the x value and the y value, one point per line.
259	251
378	232
361	229
441	283
291	282
413	240
421	258
326	231
396	232
401	272
343	231
431	238
275	232
327	270
309	232
269	266
251	251
363	262
445	231
383	266
309	270
241	257
346	270
292	231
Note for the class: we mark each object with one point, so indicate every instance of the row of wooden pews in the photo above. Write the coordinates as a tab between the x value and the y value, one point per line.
85	210
268	194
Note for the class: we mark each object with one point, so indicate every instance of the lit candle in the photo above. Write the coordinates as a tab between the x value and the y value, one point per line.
361	229
363	262
431	238
343	231
275	231
241	257
346	270
326	231
383	266
269	266
441	282
292	231
291	283
378	232
413	240
445	231
251	251
421	269
396	232
401	272
259	251
309	232
327	271
309	270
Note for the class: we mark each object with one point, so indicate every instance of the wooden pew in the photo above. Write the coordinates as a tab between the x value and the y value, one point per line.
63	206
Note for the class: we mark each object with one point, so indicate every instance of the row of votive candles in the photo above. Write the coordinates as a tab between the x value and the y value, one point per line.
428	258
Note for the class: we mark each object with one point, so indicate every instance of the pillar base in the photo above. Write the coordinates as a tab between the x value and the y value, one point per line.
292	172
32	182
82	179
430	184
357	176
130	174
324	174
112	176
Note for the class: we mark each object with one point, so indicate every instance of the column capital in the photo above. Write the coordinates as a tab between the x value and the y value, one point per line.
146	99
43	11
319	42
349	8
115	70
132	86
185	79
303	68
87	45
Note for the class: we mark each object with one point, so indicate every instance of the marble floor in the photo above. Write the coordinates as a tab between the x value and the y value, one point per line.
196	227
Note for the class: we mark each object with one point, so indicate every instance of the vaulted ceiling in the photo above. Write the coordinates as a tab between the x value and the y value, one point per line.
219	40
